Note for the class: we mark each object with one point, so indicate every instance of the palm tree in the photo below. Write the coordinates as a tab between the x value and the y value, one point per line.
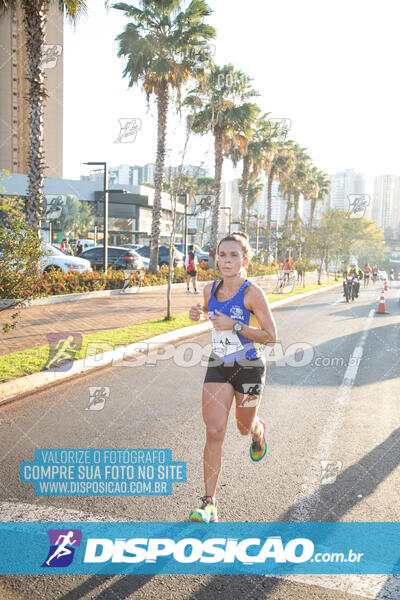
256	186
286	165
299	177
35	14
323	187
165	45
221	108
244	147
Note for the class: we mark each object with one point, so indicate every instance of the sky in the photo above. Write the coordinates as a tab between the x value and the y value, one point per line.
329	67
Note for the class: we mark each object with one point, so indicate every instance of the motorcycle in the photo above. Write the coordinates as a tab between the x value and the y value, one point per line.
350	288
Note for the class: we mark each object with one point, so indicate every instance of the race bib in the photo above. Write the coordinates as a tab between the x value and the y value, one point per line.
225	343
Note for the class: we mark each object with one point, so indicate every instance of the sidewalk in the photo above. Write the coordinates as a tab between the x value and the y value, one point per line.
102	314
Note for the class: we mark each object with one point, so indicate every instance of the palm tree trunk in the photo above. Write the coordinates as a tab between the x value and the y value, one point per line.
162	111
245	189
35	12
269	208
296	205
288	207
219	159
312	210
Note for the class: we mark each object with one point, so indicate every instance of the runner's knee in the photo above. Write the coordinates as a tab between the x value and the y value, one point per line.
215	435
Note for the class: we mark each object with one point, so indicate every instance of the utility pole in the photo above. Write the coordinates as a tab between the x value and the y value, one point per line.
105	183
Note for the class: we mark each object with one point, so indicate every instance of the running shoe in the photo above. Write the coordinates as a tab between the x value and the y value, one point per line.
259	449
207	513
188	292
196	292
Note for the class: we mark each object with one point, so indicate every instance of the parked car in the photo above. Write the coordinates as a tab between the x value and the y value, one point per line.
163	255
119	258
56	260
132	246
200	254
146	261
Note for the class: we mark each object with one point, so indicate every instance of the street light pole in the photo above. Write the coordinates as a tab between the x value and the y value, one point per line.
105	240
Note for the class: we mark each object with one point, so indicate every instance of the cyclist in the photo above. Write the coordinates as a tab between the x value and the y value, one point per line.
236	369
367	274
356	275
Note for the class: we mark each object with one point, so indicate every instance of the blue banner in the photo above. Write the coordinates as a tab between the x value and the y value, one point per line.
103	472
218	548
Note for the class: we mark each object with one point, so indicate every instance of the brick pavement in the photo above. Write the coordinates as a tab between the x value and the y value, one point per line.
99	314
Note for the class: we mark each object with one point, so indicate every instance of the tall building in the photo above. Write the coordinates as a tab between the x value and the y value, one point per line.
386	201
343	184
191	170
14	88
148	173
137	175
278	205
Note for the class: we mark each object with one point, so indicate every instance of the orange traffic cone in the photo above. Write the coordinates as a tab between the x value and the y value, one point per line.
386	285
382	305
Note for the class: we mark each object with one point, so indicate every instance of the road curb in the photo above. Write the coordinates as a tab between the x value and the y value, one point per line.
31	383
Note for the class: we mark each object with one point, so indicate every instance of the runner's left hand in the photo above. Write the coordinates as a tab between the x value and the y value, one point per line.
221	321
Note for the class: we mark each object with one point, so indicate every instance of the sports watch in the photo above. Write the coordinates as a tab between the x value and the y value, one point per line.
238	326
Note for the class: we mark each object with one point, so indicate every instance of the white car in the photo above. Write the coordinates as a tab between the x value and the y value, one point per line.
54	259
382	275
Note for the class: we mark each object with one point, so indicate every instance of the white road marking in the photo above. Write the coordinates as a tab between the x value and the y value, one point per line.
337	302
380	587
308	496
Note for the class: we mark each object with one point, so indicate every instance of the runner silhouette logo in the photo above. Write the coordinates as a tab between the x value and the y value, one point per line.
62	542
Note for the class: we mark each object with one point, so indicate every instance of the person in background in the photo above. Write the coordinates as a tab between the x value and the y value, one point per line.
286	269
191	270
367	274
79	248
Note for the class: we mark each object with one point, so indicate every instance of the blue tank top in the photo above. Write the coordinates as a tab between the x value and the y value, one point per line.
225	344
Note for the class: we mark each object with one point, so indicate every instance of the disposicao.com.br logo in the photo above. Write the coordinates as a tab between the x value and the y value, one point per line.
191	550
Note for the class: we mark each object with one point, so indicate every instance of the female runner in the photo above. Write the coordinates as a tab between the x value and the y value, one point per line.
236	368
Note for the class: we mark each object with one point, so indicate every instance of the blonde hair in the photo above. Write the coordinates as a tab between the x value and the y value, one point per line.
241	238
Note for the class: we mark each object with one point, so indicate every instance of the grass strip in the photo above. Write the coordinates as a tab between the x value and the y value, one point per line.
34	360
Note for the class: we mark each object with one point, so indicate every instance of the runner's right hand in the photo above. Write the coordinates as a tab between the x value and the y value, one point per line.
196	313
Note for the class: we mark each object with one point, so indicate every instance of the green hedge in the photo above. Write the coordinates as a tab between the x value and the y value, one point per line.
57	282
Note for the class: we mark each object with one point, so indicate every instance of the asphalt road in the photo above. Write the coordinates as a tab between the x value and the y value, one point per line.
338	401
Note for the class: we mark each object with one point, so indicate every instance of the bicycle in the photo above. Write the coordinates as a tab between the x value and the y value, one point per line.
128	276
286	282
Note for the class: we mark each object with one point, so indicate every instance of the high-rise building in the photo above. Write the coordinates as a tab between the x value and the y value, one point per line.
343	184
148	173
386	201
14	89
278	205
137	175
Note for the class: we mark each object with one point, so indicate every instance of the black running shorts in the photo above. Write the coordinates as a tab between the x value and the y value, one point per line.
247	376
